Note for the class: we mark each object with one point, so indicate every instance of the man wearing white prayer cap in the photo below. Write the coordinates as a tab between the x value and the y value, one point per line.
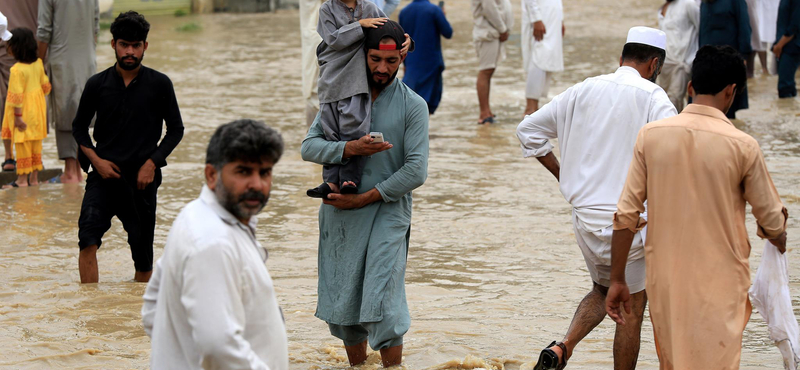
596	123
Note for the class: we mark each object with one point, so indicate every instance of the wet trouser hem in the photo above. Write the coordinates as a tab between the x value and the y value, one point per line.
66	145
353	335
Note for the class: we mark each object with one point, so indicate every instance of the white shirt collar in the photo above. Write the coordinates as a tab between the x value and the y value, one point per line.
628	70
210	198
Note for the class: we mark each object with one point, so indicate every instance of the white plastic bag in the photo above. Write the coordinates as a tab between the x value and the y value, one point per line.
770	296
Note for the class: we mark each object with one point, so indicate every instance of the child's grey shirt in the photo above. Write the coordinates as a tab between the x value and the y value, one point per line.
342	63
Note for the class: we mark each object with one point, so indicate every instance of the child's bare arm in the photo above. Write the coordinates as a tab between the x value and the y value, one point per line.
18	122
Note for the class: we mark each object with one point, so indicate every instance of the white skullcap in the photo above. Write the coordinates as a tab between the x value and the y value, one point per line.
4	34
648	36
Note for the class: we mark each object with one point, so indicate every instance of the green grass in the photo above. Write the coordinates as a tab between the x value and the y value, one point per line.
189	27
105	25
181	13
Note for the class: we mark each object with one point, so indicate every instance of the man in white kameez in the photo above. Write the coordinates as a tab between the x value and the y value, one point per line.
542	51
67	37
596	123
756	9
211	303
680	20
492	23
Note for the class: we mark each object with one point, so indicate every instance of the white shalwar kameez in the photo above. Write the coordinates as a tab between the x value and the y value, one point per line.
681	24
541	58
210	303
596	123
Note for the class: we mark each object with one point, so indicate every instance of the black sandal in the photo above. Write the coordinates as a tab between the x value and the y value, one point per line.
321	191
11	162
349	189
548	360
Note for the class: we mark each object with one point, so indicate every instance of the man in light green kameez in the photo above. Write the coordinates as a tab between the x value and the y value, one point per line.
363	242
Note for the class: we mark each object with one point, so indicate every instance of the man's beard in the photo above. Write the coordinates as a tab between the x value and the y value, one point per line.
129	65
235	204
380	85
655	75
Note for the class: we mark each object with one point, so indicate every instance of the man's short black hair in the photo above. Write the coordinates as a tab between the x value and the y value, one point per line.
130	26
23	45
716	67
244	140
641	53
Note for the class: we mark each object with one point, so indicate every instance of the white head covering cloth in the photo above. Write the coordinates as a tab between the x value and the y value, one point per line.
4	34
647	36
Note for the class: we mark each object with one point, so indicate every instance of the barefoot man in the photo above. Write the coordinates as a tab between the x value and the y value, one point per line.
596	122
363	241
696	171
131	102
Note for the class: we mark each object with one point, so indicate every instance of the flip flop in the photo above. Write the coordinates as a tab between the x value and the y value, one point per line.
486	120
349	189
548	360
11	185
10	162
55	180
321	191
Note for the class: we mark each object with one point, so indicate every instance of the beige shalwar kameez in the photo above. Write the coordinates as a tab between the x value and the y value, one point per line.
696	170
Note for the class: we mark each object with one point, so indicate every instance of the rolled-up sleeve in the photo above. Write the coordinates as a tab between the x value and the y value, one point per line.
634	194
44	31
760	192
538	128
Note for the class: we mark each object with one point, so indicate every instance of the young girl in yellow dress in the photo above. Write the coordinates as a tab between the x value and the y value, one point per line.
25	117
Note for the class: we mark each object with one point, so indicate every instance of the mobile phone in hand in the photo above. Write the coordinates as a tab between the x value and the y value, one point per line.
377	137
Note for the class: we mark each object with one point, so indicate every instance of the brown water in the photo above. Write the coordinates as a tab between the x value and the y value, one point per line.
493	273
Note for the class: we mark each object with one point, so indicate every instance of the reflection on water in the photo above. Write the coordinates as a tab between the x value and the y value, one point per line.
494	273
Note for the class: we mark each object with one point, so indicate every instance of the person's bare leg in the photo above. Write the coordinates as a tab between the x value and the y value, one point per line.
87	265
531	106
483	85
762	57
9	149
392	356
34	178
627	337
591	312
356	354
142	276
72	172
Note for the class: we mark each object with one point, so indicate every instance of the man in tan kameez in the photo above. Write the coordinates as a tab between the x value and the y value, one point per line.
67	35
696	170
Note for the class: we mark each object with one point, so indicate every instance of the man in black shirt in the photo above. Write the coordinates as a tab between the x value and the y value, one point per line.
131	102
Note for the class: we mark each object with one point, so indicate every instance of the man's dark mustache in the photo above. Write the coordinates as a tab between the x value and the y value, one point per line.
253	195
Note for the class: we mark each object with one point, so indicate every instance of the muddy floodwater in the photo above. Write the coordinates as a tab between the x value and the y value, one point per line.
494	272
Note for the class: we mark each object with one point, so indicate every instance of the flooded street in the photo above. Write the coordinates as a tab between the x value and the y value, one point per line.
494	272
